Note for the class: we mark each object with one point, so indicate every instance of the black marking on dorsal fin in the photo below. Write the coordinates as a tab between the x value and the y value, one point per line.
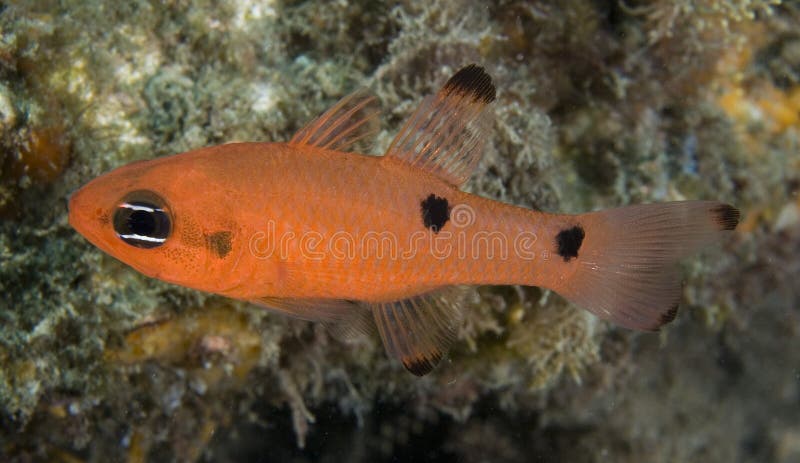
472	80
445	136
727	217
435	212
568	242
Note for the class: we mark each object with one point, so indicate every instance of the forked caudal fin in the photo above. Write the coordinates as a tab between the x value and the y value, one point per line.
627	258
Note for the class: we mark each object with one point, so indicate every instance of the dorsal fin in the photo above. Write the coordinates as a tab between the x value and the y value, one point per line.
419	330
448	131
352	119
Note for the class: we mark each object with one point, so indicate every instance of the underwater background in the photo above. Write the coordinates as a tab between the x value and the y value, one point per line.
600	103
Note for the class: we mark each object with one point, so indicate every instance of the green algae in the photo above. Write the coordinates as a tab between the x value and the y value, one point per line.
599	104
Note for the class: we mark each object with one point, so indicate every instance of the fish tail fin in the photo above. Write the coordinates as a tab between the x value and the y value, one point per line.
626	259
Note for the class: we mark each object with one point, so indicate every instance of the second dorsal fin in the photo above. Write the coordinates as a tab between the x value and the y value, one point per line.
352	119
448	131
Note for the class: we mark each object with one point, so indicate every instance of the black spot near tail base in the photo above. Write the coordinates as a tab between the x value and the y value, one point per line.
568	242
435	212
727	217
472	80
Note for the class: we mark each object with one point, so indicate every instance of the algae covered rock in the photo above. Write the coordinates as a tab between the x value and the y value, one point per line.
599	104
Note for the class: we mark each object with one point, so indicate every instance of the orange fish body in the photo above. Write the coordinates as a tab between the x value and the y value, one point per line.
311	229
271	219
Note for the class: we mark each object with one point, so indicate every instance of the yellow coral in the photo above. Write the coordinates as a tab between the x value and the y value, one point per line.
767	107
755	105
218	331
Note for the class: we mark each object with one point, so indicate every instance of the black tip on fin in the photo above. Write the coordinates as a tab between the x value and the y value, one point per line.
421	366
665	317
472	80
727	217
418	331
670	314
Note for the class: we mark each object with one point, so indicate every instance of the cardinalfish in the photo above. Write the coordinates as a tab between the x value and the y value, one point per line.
315	230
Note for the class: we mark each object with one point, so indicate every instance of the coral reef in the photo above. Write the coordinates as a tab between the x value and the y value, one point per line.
600	103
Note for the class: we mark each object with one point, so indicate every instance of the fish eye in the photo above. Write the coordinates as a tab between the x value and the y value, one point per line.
142	220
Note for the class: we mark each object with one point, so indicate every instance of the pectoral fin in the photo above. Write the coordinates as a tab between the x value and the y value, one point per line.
346	320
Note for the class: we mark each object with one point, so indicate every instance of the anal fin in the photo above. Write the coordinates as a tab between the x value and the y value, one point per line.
419	330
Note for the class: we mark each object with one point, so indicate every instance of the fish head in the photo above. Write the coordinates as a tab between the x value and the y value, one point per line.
156	217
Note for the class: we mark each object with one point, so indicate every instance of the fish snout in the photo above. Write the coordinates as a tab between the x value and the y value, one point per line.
76	208
85	216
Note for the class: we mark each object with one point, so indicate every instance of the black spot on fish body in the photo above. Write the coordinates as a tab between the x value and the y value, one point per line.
569	242
435	212
219	243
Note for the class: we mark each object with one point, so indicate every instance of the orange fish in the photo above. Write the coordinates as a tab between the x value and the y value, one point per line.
314	230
